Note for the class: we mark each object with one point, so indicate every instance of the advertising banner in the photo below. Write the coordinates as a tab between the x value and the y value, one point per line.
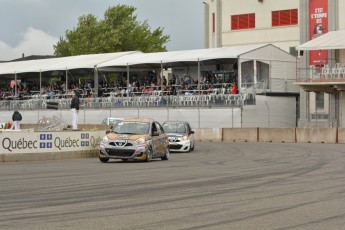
37	142
318	25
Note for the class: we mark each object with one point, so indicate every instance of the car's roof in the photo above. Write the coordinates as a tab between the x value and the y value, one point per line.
139	119
115	118
178	122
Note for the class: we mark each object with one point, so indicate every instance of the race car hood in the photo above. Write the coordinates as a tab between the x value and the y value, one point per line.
133	137
176	134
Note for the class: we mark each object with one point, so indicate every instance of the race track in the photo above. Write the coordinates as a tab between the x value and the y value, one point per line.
217	186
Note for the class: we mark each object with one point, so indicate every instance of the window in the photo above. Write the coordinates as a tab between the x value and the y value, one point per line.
243	21
213	22
320	100
285	17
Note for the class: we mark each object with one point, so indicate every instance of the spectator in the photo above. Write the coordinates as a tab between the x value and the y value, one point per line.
164	81
16	117
233	89
75	110
51	94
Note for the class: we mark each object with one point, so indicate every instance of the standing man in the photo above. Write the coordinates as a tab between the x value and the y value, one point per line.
75	109
16	117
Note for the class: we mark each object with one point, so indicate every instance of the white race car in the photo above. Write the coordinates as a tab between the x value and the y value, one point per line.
180	135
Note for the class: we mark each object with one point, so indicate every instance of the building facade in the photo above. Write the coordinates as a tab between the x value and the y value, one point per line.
287	24
253	22
321	95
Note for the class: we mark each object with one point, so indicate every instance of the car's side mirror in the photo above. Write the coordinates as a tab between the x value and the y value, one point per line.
191	132
108	131
155	134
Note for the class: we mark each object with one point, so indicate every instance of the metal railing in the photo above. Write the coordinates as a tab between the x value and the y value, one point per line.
326	73
202	100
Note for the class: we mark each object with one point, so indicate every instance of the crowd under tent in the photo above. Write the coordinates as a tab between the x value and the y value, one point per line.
259	67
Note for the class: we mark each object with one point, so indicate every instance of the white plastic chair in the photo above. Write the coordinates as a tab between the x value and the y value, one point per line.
241	99
106	102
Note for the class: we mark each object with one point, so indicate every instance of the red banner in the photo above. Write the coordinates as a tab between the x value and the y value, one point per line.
318	25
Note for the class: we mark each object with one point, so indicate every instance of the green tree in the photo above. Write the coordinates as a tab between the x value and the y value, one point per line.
118	31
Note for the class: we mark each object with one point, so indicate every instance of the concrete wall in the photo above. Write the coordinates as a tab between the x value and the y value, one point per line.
277	135
289	135
22	157
208	134
28	145
270	112
241	135
316	135
341	136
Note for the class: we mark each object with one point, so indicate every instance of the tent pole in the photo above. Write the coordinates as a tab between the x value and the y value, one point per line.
95	82
127	80
40	82
161	76
199	76
15	84
255	73
239	76
66	81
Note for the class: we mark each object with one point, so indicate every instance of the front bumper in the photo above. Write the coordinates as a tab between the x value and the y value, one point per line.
134	152
180	146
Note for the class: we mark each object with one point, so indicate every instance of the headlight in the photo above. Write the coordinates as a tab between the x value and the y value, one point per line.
141	140
185	138
105	140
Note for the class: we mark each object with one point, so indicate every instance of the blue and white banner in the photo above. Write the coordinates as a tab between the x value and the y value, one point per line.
35	142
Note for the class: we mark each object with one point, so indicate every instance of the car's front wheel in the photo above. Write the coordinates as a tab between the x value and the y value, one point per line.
192	146
149	155
167	154
104	159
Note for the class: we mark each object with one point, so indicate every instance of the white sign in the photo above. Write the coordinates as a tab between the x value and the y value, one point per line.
28	142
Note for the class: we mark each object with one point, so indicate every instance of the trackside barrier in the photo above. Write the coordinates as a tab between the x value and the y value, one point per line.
316	135
30	145
208	134
341	135
240	134
277	135
289	135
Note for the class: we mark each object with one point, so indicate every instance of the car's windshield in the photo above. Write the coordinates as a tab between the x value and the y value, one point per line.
175	128
125	127
113	121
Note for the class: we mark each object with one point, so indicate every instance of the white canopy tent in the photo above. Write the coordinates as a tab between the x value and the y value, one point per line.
63	63
149	59
136	59
329	41
223	55
179	58
31	65
89	61
51	64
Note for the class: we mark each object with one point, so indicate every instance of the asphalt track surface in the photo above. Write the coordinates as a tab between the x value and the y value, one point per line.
217	186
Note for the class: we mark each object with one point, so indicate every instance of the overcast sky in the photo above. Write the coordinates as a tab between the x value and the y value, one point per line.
32	27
